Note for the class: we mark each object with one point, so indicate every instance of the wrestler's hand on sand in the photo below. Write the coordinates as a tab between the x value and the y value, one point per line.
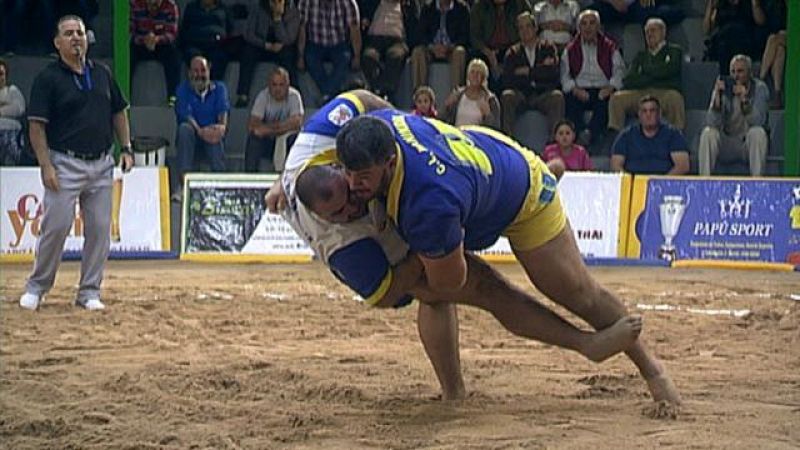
275	198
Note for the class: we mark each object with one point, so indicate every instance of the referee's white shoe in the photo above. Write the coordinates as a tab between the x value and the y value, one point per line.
30	301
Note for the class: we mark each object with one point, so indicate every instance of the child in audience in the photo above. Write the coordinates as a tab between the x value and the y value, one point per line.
564	151
425	102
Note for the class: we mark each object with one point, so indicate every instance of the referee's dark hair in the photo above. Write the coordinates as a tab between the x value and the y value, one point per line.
364	142
66	18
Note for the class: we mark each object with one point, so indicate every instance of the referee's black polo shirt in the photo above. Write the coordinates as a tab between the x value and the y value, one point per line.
77	108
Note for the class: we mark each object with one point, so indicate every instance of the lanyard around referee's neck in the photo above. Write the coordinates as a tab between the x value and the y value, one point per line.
84	80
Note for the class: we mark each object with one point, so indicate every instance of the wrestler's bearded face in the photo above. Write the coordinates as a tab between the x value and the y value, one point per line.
366	184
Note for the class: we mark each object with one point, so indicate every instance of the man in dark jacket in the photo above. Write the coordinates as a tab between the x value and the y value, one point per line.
531	76
443	35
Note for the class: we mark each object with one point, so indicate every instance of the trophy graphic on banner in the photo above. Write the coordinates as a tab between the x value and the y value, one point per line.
671	211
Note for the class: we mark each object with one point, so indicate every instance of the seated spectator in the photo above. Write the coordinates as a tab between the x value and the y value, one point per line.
329	31
270	35
154	28
571	155
238	11
774	59
557	20
650	146
201	111
388	25
588	82
473	104
654	71
531	76
443	35
493	29
278	110
737	120
637	11
205	25
732	27
425	102
12	110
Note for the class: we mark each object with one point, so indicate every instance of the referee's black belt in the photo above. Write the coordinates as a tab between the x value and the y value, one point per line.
82	155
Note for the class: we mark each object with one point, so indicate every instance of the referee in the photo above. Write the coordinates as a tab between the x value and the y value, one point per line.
76	107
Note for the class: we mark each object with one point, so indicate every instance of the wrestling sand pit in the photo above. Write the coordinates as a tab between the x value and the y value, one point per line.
204	356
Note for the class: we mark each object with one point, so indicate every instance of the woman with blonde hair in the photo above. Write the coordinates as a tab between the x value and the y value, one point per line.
473	104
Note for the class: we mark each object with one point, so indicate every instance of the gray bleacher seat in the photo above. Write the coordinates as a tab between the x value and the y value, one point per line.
601	163
148	84
632	41
23	70
402	95
236	139
693	8
231	79
103	27
695	122
439	80
697	80
776	154
689	35
308	89
259	80
531	130
154	121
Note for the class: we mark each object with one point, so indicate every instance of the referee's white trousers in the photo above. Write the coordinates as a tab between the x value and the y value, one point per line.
89	182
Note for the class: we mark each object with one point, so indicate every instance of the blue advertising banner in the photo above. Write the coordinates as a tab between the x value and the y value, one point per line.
729	219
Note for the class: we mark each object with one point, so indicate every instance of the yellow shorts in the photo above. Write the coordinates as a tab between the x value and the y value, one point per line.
542	216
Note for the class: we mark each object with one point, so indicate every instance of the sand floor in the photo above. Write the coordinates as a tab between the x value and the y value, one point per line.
202	356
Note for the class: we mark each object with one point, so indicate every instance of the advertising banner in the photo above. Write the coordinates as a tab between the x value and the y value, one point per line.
746	219
597	207
139	222
224	218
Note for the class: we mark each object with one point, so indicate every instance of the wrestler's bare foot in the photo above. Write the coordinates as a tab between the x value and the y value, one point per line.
663	389
618	337
454	395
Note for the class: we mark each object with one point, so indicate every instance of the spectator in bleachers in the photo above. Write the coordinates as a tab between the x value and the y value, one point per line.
650	146
473	104
278	110
443	35
733	27
201	111
493	29
564	149
591	71
389	27
270	35
737	120
531	76
205	25
637	11
12	110
239	11
774	59
425	102
654	71
329	31
154	30
557	20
